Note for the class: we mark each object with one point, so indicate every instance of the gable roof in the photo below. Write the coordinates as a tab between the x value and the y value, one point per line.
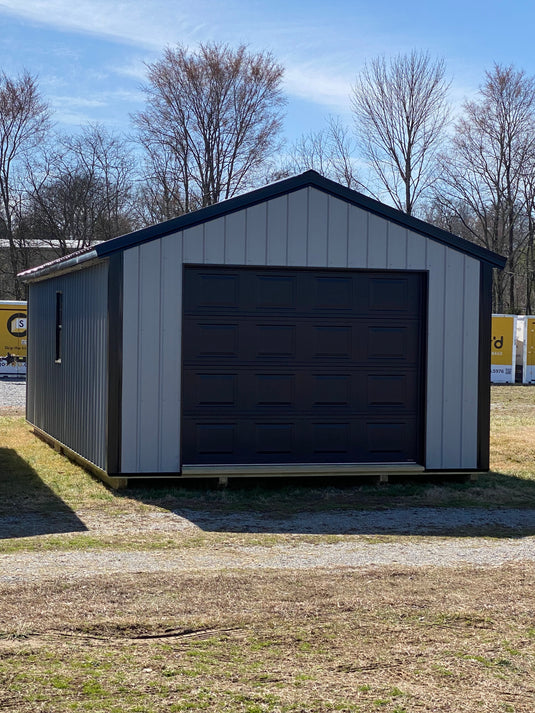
273	190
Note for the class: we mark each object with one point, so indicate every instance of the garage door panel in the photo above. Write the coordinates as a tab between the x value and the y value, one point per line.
331	390
331	438
215	440
275	439
388	439
332	340
388	390
331	293
211	340
390	294
212	390
271	340
387	343
274	390
275	292
399	342
214	291
298	368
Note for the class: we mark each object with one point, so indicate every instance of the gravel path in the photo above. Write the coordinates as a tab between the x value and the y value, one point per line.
435	549
12	391
12	395
25	567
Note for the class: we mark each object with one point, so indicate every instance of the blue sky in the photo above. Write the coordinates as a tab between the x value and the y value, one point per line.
89	55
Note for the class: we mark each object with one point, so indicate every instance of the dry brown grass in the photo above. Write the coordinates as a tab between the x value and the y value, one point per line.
398	640
391	639
513	430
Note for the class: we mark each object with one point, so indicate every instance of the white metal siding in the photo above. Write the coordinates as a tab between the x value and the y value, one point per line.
152	315
306	228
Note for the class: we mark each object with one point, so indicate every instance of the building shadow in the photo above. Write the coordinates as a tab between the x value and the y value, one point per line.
347	508
28	507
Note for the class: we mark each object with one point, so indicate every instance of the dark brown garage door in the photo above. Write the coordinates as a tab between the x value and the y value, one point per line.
302	366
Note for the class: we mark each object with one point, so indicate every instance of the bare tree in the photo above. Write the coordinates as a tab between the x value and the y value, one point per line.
330	151
109	158
487	174
529	250
82	191
24	121
401	111
161	194
212	118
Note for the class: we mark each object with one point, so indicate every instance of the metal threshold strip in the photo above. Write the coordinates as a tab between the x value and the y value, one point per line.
305	469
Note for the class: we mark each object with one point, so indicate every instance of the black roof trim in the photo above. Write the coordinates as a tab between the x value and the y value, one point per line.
415	224
273	190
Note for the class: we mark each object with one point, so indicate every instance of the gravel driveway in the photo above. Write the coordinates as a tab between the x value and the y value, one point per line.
20	567
360	548
12	395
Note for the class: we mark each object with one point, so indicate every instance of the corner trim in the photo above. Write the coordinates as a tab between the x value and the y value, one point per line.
115	363
485	334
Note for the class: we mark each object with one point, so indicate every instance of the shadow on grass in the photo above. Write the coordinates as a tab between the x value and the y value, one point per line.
27	506
497	505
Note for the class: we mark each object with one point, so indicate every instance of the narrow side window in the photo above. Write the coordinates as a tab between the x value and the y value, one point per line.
59	324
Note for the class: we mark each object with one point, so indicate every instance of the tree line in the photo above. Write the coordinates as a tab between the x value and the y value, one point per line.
211	128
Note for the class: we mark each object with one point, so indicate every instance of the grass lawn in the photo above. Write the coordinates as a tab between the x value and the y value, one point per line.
392	639
381	639
34	477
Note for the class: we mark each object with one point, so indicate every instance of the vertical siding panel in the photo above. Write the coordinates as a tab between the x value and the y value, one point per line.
214	241
396	247
470	363
297	227
377	231
193	244
436	264
357	249
453	354
170	362
131	345
277	231
337	233
318	217
256	235
149	356
235	238
416	251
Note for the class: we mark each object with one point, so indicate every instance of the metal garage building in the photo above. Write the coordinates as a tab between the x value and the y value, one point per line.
300	328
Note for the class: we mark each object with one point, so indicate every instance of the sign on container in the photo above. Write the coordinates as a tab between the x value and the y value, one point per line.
13	344
529	350
503	349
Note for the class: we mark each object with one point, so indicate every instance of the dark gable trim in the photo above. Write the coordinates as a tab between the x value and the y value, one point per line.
115	363
289	185
411	223
485	335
